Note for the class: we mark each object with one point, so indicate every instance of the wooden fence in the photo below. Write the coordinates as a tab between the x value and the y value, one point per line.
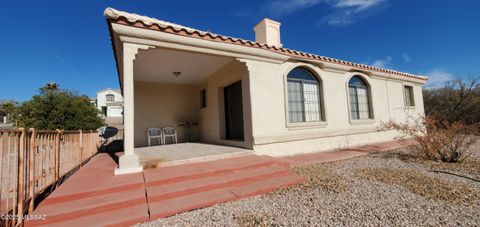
32	161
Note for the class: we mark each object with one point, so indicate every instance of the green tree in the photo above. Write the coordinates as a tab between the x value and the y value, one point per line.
54	108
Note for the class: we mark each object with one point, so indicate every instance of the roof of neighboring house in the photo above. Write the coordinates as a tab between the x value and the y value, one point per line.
110	89
121	17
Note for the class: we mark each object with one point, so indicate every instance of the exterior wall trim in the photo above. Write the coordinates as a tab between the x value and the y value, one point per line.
263	140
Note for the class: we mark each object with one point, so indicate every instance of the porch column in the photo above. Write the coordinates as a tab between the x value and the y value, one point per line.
129	162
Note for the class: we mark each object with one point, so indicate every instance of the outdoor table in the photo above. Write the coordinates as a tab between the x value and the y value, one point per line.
187	133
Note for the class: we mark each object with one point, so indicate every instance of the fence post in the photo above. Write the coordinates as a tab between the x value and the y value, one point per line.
31	158
57	154
81	146
93	144
21	177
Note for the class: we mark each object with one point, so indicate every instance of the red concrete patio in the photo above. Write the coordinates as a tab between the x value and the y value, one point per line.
93	196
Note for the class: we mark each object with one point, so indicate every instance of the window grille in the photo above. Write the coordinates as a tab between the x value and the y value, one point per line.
359	99
304	104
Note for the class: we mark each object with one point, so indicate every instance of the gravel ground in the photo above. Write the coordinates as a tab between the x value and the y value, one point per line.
387	188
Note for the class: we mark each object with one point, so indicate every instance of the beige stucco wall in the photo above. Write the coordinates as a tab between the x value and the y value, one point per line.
159	105
212	118
273	135
266	128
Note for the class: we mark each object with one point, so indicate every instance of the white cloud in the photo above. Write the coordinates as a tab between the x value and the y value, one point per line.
406	57
286	7
349	11
438	77
360	4
382	63
344	12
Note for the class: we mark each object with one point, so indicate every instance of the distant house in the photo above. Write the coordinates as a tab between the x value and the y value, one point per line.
110	103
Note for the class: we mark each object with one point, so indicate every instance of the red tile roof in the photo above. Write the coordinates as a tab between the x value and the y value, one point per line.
120	17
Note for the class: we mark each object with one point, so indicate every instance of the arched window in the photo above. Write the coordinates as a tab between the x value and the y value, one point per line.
304	103
110	98
359	98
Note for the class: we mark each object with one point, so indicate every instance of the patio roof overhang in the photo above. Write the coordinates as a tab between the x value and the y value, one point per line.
190	47
170	66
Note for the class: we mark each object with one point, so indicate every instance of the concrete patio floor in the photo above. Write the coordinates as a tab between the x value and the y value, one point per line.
182	153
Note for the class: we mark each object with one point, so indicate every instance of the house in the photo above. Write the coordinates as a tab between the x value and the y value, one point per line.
257	94
110	103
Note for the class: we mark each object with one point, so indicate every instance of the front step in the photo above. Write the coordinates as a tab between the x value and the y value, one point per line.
163	192
173	206
170	190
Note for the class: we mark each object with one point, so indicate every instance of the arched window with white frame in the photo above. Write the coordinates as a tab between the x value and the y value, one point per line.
304	96
359	99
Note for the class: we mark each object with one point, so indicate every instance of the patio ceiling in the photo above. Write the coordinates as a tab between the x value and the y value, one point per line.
158	65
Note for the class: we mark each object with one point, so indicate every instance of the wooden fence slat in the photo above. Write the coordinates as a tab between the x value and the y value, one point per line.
1	168
33	160
32	170
7	200
21	176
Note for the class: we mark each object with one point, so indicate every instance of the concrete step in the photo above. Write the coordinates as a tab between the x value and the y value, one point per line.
153	177
172	206
126	216
60	211
166	175
245	176
164	191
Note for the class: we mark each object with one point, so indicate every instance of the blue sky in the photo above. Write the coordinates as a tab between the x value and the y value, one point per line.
67	41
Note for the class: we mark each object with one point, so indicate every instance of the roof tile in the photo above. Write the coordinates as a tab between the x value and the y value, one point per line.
136	20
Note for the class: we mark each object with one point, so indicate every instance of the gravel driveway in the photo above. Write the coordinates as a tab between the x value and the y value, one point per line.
387	188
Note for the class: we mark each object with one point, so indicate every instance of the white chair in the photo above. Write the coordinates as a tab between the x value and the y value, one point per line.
169	132
155	133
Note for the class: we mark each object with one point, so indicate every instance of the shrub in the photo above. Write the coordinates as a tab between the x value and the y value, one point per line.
437	139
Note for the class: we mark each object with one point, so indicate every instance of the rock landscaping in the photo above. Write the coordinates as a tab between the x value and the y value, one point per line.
386	188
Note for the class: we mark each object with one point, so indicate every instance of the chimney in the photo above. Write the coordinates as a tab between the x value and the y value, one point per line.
268	32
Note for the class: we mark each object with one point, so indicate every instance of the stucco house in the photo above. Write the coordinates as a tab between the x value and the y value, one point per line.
256	95
109	102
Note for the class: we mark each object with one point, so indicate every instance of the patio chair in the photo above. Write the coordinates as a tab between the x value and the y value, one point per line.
169	132
155	133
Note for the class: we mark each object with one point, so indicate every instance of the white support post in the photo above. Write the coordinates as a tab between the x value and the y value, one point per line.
129	162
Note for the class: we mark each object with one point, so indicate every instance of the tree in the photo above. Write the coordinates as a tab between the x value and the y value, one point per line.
54	108
458	100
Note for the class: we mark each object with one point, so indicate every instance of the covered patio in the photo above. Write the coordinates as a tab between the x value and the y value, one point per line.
169	80
165	87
